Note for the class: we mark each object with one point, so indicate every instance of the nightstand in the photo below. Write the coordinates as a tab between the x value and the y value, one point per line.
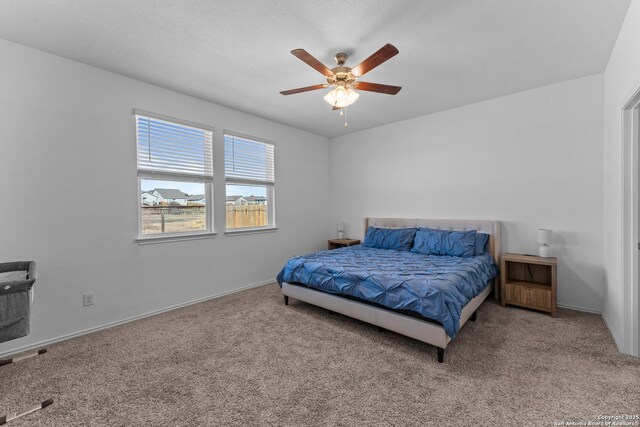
529	281
341	243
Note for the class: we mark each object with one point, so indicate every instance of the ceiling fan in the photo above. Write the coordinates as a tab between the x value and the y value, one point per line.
346	79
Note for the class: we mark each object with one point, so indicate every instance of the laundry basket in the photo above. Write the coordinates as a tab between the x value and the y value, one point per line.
16	297
16	281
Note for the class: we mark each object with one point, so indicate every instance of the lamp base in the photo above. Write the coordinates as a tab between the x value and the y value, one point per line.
340	235
544	251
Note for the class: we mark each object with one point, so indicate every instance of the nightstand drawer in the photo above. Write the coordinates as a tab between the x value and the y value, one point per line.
529	294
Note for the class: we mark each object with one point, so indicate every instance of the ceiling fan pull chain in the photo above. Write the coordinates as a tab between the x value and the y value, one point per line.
346	123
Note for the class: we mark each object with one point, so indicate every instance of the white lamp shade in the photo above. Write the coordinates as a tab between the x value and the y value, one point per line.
544	236
340	227
340	97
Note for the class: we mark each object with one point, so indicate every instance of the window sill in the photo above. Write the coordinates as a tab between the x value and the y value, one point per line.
243	231
149	240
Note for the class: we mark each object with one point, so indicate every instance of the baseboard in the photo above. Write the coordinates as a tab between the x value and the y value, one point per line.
574	307
127	320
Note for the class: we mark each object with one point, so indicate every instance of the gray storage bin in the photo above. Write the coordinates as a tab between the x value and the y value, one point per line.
16	280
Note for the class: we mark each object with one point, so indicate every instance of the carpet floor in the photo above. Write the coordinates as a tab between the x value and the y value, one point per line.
247	359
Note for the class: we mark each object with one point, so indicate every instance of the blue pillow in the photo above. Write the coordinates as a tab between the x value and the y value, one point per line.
399	239
481	244
444	242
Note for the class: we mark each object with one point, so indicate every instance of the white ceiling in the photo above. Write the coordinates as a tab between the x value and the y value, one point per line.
236	53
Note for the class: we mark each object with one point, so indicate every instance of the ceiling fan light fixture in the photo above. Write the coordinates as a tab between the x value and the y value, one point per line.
341	97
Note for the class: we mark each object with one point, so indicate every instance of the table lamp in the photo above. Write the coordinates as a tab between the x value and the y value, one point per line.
544	238
340	230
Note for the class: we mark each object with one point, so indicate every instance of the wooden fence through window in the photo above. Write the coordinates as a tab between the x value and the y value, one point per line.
174	219
247	216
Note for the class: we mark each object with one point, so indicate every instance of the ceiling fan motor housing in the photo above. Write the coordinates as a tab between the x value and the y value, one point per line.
342	75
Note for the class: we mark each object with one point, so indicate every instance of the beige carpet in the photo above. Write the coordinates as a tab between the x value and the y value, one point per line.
247	359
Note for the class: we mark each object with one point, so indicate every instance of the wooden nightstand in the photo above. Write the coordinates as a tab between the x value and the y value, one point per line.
341	243
529	281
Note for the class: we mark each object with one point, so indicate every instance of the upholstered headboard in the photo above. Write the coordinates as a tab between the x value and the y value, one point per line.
492	228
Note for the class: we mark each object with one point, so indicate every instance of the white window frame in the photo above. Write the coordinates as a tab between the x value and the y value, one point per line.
174	176
271	225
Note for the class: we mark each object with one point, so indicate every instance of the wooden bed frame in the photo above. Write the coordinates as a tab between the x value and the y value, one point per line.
422	330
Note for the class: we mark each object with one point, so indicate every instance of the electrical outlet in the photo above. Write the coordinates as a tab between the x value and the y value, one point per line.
88	299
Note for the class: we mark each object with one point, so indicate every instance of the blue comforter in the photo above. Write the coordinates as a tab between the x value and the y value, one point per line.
436	287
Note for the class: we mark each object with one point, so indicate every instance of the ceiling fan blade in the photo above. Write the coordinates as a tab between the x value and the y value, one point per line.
336	108
302	89
385	53
376	87
306	57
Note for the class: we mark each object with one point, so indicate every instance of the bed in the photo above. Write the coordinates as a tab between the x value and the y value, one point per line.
425	297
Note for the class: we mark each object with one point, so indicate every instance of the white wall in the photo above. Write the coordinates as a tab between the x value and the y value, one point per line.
533	159
621	81
67	130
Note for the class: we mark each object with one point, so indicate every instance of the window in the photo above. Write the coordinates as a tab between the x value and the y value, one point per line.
249	175
175	176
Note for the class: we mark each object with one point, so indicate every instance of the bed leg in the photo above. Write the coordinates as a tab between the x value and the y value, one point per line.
286	300
440	355
474	316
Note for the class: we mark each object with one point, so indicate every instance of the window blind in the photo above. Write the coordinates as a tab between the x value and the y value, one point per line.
248	160
174	148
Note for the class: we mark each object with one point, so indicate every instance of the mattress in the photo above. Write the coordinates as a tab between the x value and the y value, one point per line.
435	287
